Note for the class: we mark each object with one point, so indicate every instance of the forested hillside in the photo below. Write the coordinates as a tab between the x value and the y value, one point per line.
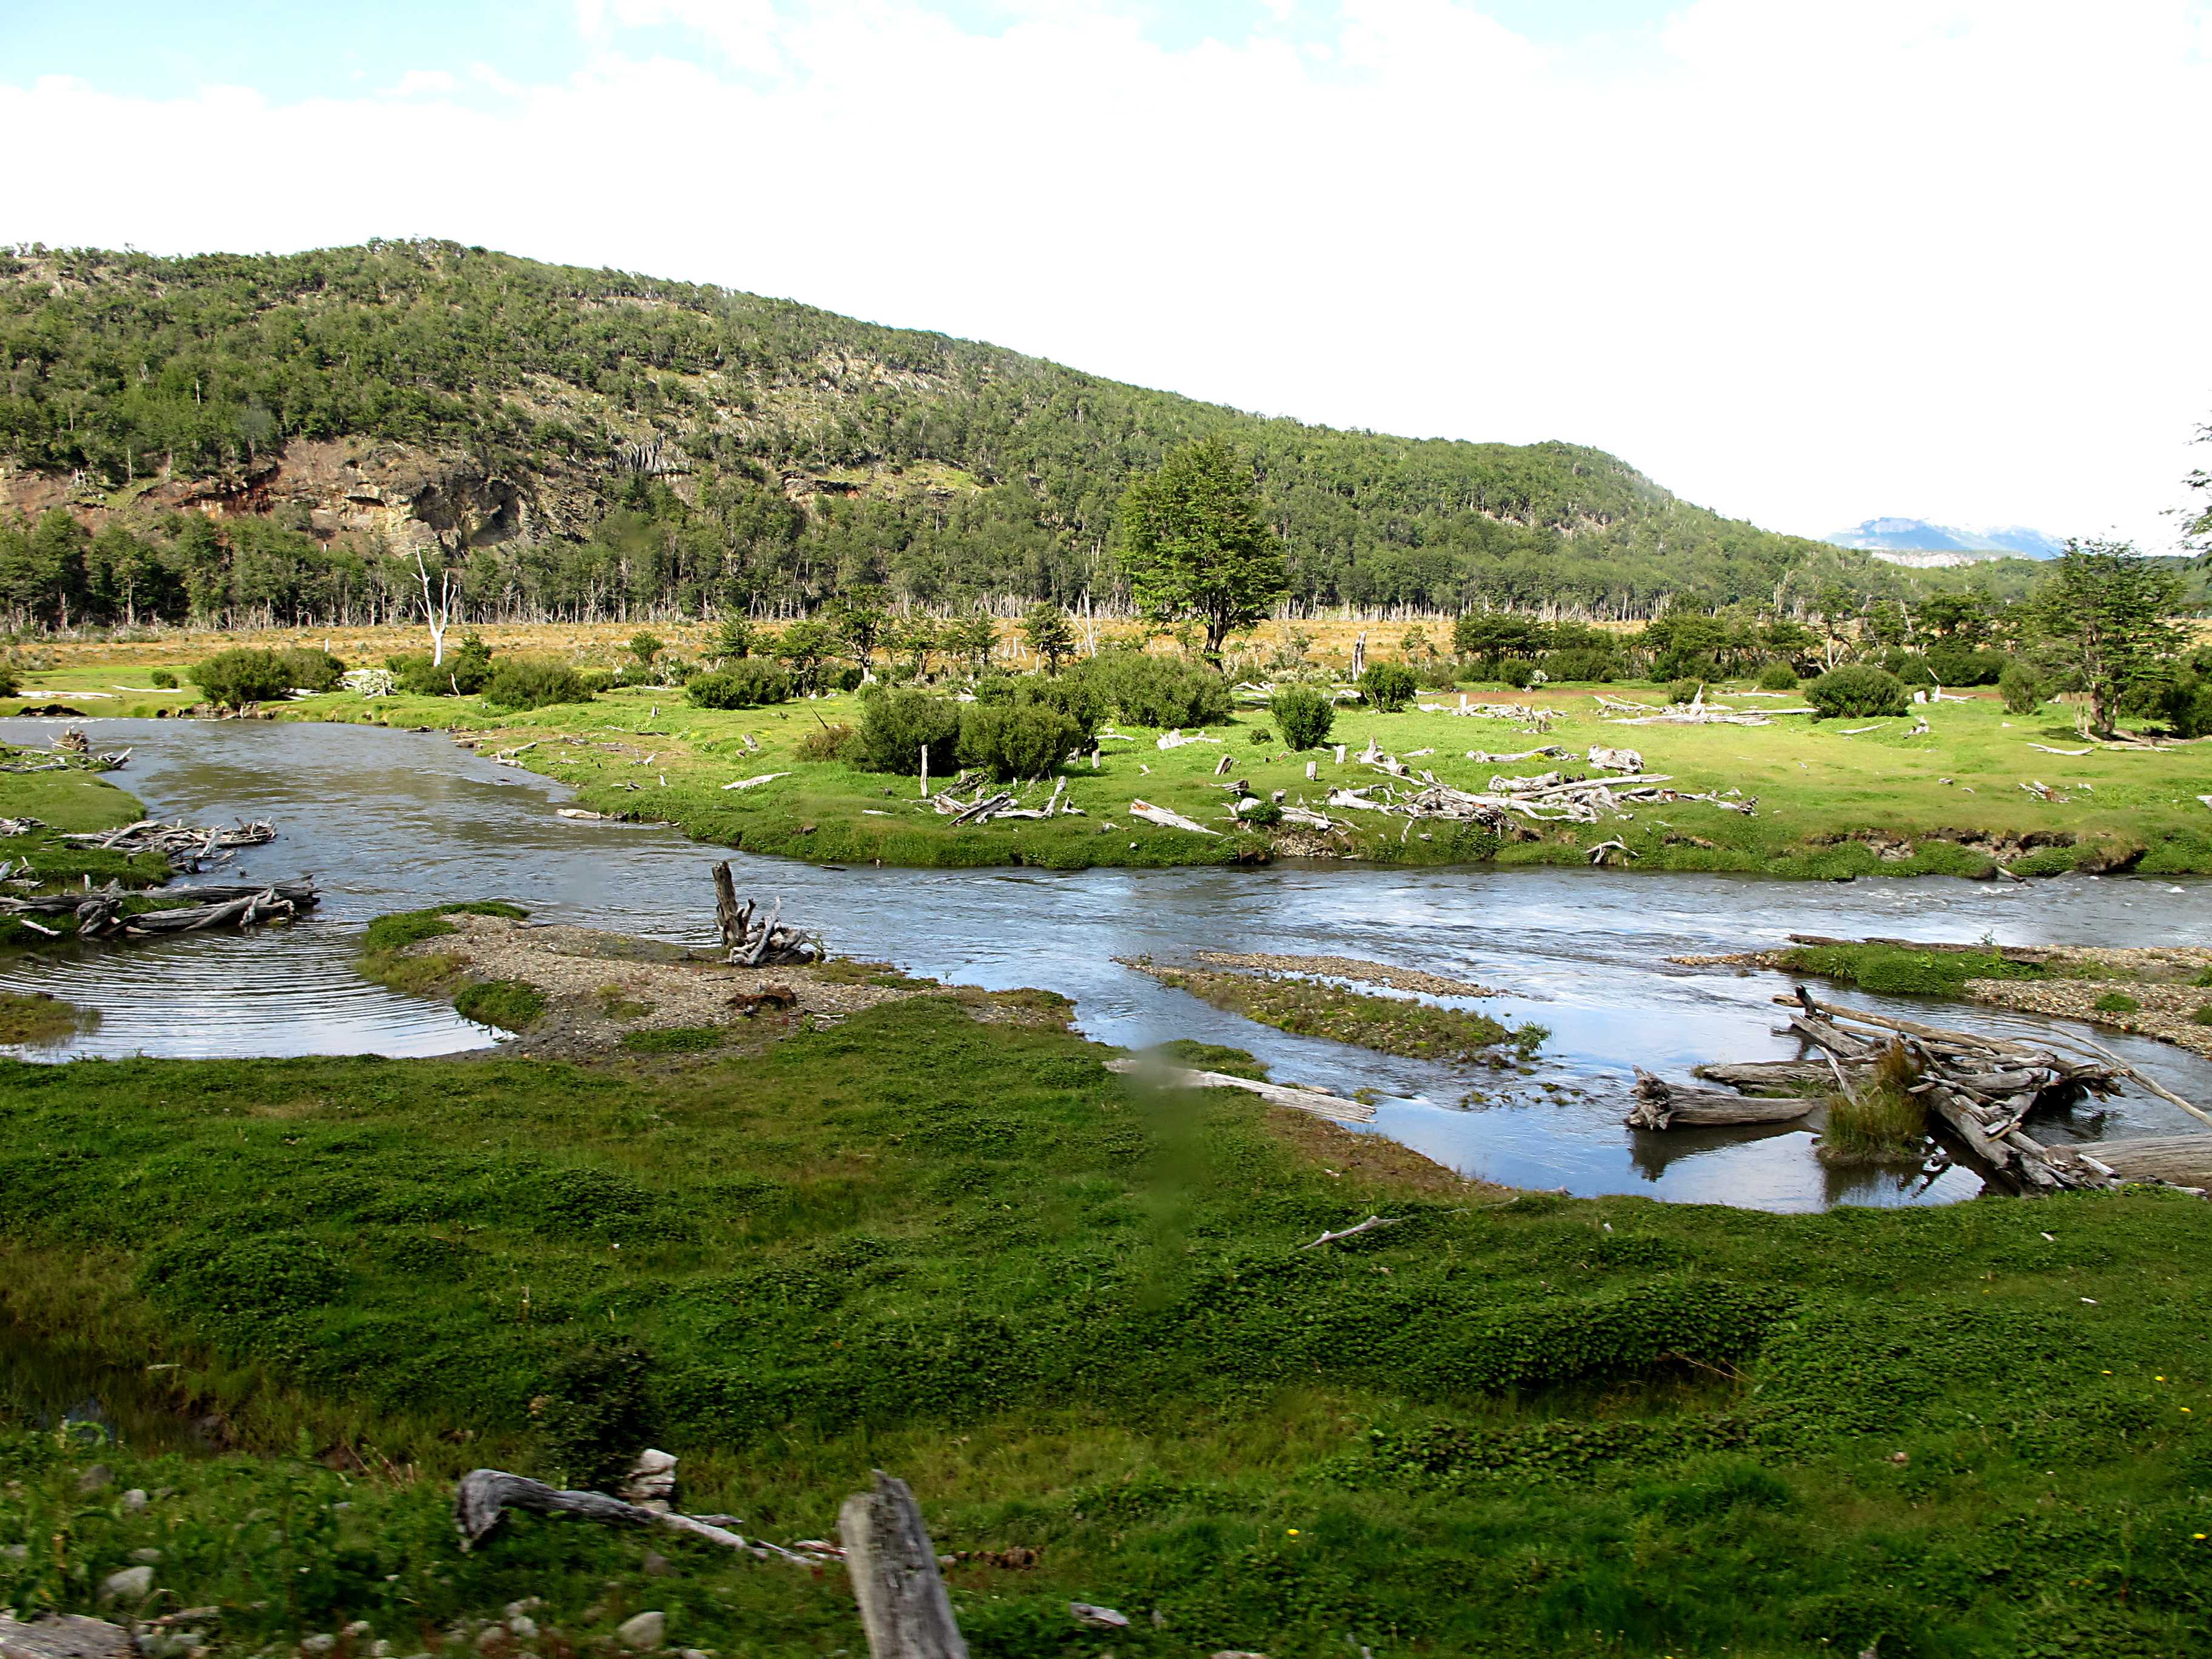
588	443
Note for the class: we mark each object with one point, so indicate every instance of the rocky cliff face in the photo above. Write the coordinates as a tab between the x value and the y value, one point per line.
366	489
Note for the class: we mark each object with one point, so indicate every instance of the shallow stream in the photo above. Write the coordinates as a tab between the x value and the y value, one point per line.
389	820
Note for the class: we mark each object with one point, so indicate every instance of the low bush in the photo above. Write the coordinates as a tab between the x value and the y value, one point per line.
2116	1002
1265	815
1957	665
1388	686
1777	676
1857	690
1684	690
675	1040
511	1004
2203	1014
746	683
1516	672
1891	970
1259	737
1303	715
1157	691
2022	688
895	726
535	683
1583	664
1910	667
1025	739
161	679
11	678
824	743
235	678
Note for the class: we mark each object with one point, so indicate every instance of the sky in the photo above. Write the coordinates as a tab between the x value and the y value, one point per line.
1804	261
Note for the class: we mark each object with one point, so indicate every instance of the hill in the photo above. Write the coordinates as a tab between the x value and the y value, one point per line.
594	443
1917	542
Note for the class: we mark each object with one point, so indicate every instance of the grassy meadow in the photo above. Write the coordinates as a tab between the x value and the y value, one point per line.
1833	801
1078	1319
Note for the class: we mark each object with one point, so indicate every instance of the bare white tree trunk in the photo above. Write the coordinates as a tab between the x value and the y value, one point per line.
438	611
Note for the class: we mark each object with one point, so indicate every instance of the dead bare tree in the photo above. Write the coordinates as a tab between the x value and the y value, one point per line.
437	610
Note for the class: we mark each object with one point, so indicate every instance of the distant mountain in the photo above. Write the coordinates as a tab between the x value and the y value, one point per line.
1886	537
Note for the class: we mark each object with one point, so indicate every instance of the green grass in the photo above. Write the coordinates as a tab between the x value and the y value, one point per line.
2116	1002
1893	970
386	942
69	803
1880	1122
1215	1057
1829	806
512	1004
1389	1025
675	1040
1077	1318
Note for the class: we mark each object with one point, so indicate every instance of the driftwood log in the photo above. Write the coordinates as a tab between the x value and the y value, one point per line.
99	915
1337	1108
765	943
186	848
904	1608
1663	1105
484	1496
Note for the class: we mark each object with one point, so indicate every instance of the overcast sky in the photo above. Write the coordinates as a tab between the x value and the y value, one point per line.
1804	261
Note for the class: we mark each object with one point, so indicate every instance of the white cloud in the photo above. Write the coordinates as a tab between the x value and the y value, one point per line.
418	81
1806	263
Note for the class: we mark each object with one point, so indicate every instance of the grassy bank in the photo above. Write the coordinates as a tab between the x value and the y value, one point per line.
1833	800
73	802
1079	1320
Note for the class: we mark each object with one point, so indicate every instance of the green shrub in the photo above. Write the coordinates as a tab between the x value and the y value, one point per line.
1303	715
2022	688
1214	1057
1259	737
1388	686
1857	690
747	683
160	678
1516	672
512	1004
1585	664
1684	690
1880	1119
11	678
2203	1014
535	683
895	726
1018	740
1777	676
645	645
1910	667
1265	815
1157	691
824	743
733	640
2116	1002
235	678
310	668
1953	664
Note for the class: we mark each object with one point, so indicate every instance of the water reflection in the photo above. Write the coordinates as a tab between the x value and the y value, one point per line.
392	820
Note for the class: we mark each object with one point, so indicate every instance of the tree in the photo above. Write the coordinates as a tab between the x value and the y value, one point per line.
2199	529
2111	613
859	620
645	646
437	609
1195	546
805	646
975	637
1049	635
735	641
914	639
1836	604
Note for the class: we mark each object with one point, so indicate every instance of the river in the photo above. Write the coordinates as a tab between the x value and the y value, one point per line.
390	820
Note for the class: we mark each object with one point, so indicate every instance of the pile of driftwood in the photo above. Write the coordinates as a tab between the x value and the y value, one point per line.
983	807
758	941
186	848
74	754
99	913
1696	712
1980	1090
1534	718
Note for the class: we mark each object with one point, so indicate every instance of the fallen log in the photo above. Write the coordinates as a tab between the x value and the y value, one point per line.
1165	819
1754	1075
1663	1105
483	1496
1336	1108
1366	1226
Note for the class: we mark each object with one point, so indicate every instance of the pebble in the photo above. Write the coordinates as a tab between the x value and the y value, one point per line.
315	1646
146	1558
657	1564
492	1639
356	1630
98	1478
642	1630
131	1584
522	1627
135	1499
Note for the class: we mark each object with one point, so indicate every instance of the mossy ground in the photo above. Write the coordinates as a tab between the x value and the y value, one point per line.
1077	1318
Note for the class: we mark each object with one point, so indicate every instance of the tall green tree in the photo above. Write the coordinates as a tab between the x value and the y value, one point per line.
2112	616
1050	637
1194	545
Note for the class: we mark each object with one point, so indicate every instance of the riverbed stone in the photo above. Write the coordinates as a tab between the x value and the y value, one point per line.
98	1478
642	1630
131	1584
135	1499
317	1645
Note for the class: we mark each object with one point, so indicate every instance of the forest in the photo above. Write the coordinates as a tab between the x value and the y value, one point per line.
735	454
